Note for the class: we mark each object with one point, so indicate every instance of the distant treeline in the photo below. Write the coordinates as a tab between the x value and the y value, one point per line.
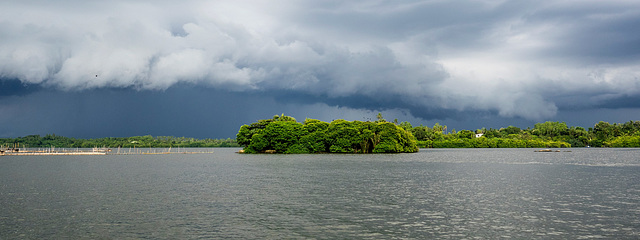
148	141
547	134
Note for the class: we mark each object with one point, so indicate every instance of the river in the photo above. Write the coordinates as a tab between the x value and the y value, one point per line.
435	193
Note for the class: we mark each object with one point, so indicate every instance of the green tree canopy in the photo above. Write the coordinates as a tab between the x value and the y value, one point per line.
315	136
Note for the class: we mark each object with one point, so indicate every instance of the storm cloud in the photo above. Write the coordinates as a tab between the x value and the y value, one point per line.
523	60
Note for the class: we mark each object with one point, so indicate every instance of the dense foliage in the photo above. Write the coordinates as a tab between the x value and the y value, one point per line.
283	134
547	134
35	141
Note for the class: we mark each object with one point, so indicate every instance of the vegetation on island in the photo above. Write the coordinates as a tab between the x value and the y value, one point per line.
283	134
148	141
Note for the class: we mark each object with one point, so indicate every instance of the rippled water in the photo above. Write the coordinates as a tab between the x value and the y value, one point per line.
441	193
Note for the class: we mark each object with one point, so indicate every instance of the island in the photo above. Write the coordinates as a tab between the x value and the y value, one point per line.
283	134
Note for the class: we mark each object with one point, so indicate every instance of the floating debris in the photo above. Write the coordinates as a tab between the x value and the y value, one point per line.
547	150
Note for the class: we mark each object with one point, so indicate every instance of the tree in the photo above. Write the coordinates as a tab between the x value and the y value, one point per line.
406	126
438	128
550	129
244	136
466	134
603	130
492	133
421	133
380	118
394	139
510	130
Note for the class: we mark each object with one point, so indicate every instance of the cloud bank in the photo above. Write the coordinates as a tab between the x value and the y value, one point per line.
435	59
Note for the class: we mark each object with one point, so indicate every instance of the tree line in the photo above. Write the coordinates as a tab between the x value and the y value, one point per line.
547	134
346	136
148	141
283	134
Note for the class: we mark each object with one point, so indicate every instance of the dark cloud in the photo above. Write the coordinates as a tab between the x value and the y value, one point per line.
454	61
182	110
628	102
374	103
178	111
14	87
202	112
592	32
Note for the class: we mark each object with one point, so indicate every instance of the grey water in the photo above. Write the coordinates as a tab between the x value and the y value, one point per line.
432	194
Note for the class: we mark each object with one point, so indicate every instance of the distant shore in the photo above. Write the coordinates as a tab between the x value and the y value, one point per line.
97	151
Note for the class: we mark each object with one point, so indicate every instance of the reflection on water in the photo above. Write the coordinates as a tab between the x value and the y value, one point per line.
442	193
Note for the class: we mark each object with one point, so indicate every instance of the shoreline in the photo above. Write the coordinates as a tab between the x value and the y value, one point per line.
92	153
97	152
51	153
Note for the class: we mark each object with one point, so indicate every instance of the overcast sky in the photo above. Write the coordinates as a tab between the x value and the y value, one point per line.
201	69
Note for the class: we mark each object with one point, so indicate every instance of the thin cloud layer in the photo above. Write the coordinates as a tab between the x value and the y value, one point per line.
520	59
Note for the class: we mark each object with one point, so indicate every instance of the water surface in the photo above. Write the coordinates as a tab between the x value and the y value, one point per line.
436	193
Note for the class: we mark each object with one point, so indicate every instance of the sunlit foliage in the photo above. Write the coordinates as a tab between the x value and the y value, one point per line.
315	136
